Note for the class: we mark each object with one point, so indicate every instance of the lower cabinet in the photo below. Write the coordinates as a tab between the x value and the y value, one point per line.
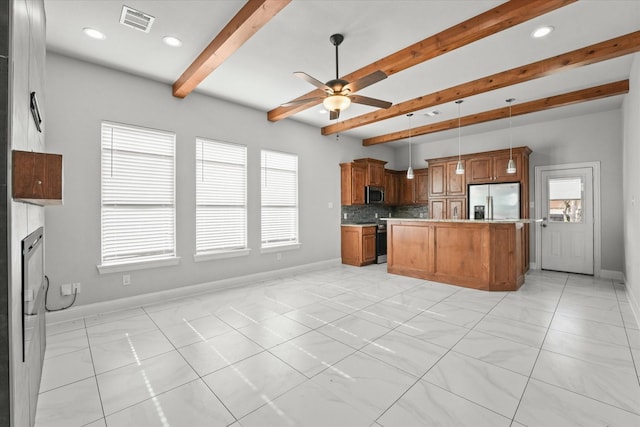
448	208
358	245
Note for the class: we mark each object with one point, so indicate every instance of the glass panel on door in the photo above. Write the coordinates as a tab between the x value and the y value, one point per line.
565	200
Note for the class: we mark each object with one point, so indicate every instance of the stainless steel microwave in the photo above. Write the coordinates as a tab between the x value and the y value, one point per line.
373	195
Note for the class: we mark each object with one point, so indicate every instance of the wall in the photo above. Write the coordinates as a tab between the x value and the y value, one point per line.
81	95
592	137
631	187
26	36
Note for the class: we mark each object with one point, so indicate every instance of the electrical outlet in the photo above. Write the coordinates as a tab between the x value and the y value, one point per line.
330	205
278	256
65	289
376	215
126	279
344	215
75	288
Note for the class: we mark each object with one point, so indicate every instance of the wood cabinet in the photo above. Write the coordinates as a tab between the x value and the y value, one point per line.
374	172
358	244
448	208
479	255
407	190
37	177
391	187
447	190
421	186
493	168
352	183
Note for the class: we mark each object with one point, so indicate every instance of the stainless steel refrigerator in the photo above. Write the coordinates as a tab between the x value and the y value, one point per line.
494	201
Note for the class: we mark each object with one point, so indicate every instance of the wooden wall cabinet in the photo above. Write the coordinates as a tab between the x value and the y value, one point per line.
391	187
352	183
493	168
358	245
37	177
421	193
375	171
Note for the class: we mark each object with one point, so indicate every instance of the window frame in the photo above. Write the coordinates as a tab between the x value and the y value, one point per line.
228	252
138	262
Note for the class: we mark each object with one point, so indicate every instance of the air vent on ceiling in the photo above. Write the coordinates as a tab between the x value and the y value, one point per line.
136	19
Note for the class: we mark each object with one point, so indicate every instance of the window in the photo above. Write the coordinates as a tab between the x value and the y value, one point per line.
138	209
221	196
279	176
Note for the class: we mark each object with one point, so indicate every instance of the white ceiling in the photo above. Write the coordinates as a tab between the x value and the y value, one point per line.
259	74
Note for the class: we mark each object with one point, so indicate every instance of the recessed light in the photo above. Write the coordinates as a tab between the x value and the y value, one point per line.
541	32
172	41
322	111
94	34
432	113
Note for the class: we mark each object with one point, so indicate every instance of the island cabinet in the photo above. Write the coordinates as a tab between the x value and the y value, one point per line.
446	190
483	255
358	244
374	171
352	182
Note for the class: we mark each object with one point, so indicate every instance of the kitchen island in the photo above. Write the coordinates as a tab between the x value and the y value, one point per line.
479	254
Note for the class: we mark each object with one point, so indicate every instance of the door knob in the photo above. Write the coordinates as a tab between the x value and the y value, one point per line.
544	225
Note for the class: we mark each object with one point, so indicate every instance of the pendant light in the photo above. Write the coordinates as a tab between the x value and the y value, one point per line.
511	165
459	166
410	169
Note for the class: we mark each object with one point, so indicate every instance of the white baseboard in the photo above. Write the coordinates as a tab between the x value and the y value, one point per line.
533	266
612	275
634	302
185	291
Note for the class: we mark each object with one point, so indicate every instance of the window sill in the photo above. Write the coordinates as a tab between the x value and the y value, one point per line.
137	265
287	247
208	256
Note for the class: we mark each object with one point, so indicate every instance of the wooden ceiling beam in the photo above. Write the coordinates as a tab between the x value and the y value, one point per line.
499	18
253	16
603	91
613	48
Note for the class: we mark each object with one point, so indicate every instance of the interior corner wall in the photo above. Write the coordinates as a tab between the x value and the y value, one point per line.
26	58
585	138
81	95
631	187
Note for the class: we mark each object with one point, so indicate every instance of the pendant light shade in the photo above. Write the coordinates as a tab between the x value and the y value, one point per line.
511	165
410	169
459	166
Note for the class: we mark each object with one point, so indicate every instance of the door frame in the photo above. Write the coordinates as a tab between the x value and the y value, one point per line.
597	226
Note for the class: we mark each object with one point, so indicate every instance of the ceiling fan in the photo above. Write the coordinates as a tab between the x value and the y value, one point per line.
340	93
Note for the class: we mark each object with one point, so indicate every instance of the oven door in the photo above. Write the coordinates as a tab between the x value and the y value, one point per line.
381	246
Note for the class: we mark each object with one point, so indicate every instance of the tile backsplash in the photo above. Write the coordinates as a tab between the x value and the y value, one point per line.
367	213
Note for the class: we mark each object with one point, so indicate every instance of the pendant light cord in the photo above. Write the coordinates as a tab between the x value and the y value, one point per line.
409	115
510	100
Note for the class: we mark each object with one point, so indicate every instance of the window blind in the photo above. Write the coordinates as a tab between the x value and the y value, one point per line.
138	180
279	176
221	196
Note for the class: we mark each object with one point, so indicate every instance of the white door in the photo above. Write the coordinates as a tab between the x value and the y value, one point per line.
567	232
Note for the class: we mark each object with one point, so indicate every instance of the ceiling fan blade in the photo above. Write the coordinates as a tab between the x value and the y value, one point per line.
359	99
302	101
368	80
333	115
317	83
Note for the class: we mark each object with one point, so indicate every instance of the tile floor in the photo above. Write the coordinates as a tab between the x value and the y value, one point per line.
353	347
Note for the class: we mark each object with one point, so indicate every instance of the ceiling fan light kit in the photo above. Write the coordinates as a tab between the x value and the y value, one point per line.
339	93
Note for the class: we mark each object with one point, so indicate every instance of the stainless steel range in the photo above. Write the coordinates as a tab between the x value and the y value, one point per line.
381	243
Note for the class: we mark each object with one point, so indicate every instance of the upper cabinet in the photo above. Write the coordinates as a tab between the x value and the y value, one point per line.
492	167
421	183
443	180
391	187
352	182
375	171
37	177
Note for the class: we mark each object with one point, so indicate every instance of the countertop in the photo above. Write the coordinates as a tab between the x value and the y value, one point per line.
483	221
373	224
